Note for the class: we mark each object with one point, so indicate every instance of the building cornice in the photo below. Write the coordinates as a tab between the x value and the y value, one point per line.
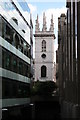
44	34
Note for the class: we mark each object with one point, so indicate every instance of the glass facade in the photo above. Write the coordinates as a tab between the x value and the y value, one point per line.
15	89
14	63
15	52
8	33
24	6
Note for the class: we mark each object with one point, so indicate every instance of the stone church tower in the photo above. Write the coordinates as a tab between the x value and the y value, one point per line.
44	51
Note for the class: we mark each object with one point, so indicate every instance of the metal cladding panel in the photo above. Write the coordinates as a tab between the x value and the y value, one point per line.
15	102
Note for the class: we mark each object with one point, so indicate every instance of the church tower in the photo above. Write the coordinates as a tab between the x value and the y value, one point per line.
44	51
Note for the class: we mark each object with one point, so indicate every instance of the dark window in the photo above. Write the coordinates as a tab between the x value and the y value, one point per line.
43	46
20	47
24	69
14	64
43	71
3	28
43	56
17	41
6	57
15	89
20	67
6	89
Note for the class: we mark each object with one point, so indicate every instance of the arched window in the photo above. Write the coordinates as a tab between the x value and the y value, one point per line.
43	71
43	46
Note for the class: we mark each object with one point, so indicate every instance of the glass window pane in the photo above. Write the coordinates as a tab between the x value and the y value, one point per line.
43	71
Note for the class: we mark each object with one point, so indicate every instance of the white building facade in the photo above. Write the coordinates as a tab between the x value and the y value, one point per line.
44	51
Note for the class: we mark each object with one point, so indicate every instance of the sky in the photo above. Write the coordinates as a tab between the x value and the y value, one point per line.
55	8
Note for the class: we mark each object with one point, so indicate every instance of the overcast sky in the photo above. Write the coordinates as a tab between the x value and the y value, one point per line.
55	8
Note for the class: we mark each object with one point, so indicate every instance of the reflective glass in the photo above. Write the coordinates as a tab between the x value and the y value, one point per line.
8	10
24	6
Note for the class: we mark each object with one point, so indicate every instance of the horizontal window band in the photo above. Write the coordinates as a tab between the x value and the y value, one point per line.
14	76
14	25
13	63
12	49
14	89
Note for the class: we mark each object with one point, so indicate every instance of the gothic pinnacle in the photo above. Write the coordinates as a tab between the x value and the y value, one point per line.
37	25
52	24
44	22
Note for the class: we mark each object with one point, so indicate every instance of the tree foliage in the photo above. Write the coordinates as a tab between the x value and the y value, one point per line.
44	88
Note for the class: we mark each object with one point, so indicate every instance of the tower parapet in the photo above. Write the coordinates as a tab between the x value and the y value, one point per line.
49	32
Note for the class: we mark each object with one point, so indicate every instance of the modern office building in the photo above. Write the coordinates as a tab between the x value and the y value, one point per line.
61	53
15	55
44	51
56	75
70	74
